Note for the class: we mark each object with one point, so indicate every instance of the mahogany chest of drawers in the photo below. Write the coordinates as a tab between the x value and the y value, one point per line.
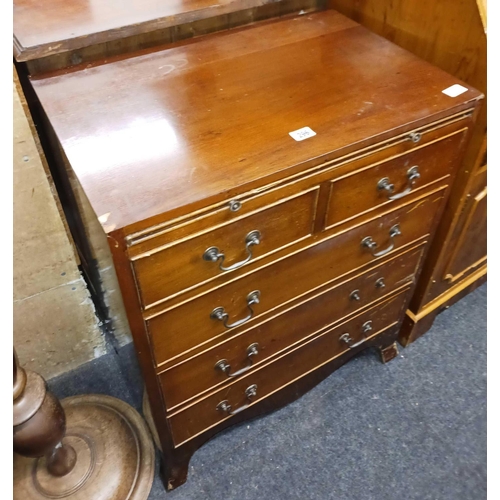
268	195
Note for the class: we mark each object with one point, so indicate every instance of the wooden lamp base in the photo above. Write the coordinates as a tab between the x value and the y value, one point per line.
104	452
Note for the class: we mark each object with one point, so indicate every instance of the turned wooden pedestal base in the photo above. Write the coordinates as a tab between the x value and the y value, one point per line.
114	455
83	448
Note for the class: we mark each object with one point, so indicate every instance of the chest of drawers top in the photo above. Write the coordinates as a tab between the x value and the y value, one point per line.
164	133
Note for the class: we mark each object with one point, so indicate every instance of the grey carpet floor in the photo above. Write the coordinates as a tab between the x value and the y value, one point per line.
412	429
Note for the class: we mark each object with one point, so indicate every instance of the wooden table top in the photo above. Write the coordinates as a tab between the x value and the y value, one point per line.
49	27
170	128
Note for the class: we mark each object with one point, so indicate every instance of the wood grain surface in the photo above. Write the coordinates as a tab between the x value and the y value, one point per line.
187	379
190	421
148	134
182	266
287	279
451	35
162	140
52	27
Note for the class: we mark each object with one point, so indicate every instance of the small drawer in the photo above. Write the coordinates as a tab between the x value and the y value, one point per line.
195	323
189	422
235	357
197	258
392	180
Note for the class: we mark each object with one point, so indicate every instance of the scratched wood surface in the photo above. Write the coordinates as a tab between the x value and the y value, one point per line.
152	133
53	27
72	52
447	33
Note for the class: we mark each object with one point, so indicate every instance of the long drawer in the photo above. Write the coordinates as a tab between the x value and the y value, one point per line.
201	415
240	354
286	280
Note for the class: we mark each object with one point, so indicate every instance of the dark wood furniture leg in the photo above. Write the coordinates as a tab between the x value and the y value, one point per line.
389	352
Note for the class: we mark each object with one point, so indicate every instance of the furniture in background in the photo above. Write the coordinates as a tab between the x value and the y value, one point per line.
83	448
54	35
452	36
268	195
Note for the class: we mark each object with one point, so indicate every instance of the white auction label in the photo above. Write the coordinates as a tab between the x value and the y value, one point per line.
455	90
302	133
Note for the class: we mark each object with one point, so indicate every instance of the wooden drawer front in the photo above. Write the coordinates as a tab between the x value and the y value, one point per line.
199	373
179	266
358	192
283	281
200	416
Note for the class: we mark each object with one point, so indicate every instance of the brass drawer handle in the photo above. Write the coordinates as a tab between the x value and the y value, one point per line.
213	254
225	407
224	366
371	245
385	185
346	338
219	313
